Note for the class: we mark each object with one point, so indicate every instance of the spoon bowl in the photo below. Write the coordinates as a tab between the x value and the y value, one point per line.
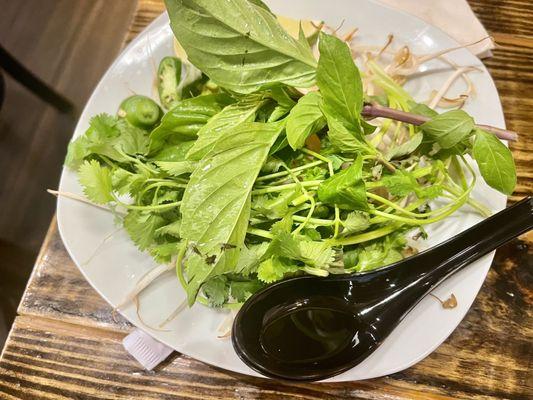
309	328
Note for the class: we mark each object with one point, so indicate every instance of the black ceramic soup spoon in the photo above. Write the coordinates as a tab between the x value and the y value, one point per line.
310	328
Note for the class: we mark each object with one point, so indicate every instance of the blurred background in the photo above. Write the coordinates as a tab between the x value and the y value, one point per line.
52	54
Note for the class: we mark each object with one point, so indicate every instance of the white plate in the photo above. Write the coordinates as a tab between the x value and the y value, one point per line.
115	268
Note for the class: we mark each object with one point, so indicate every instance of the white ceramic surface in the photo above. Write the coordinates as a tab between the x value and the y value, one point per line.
113	266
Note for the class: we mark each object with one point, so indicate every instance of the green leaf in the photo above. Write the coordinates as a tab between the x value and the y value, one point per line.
346	188
230	117
495	162
380	252
235	41
172	229
250	257
242	290
185	119
96	182
313	253
403	183
449	128
142	227
356	221
100	138
274	206
304	119
216	203
274	268
176	168
173	152
340	82
344	140
280	95
405	148
216	290
131	140
163	252
422	109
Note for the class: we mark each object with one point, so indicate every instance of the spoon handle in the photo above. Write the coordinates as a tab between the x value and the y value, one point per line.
484	237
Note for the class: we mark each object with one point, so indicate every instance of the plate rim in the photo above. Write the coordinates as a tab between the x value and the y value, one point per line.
341	377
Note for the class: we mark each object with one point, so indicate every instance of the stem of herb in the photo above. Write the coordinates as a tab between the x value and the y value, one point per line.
377	111
285	173
260	232
280	188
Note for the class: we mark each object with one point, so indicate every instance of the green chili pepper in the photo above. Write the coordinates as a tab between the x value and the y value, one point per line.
140	111
168	79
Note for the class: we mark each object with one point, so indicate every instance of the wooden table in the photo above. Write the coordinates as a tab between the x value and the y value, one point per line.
66	343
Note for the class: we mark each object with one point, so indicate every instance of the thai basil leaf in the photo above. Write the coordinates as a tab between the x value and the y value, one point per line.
304	119
183	121
422	109
406	148
282	97
346	188
216	204
340	82
344	140
174	152
495	162
235	41
230	117
449	128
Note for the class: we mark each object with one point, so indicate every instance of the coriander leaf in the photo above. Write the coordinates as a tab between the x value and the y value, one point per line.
274	268
406	147
380	252
185	119
132	140
495	162
216	204
304	119
96	182
449	128
339	82
176	168
163	252
230	117
356	221
316	254
98	139
250	258
216	290
242	290
403	183
142	227
235	41
313	253
172	229
345	188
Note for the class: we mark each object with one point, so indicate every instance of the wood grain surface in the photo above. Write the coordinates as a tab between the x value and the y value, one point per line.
66	343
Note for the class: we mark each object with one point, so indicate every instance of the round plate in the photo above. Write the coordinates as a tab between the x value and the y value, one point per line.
112	264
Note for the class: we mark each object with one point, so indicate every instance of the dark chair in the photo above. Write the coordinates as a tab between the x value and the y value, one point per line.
21	74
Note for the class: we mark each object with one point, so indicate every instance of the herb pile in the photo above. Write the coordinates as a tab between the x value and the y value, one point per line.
248	178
